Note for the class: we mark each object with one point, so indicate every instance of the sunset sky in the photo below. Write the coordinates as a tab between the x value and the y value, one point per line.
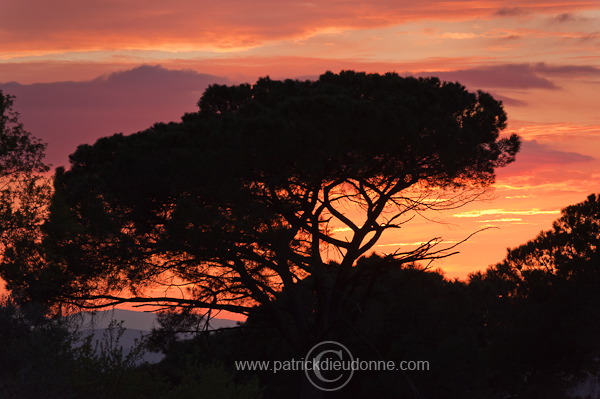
86	69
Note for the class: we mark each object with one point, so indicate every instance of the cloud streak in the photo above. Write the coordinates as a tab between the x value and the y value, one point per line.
486	212
501	220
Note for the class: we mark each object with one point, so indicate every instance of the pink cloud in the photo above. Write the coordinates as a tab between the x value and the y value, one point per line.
535	156
62	25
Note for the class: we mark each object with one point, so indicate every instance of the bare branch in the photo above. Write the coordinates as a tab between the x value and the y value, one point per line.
82	301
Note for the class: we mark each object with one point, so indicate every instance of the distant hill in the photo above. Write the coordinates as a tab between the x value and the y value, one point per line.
143	321
136	324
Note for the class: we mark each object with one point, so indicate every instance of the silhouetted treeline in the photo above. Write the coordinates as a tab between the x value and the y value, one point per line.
527	327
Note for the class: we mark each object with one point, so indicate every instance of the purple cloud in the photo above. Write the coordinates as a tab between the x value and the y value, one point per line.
515	76
66	114
509	100
510	76
562	70
510	11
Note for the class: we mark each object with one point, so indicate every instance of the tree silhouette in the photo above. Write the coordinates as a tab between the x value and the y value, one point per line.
568	250
546	324
24	192
244	199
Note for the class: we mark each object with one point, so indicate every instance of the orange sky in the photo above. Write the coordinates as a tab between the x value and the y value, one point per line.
82	70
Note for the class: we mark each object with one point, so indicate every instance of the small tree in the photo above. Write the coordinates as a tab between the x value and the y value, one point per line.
24	192
569	250
546	324
241	201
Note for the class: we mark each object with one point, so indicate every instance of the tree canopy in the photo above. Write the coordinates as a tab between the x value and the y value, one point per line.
242	200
